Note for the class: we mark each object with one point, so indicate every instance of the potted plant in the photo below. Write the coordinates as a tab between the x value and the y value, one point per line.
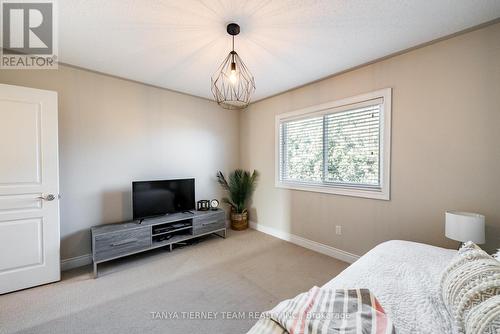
240	187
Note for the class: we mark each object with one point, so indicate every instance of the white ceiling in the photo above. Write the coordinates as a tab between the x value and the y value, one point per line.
178	44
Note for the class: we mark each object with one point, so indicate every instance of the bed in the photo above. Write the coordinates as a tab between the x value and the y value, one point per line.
405	278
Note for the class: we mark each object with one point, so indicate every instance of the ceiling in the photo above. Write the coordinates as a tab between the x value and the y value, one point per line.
178	44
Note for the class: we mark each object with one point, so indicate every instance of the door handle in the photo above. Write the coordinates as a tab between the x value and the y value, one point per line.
49	197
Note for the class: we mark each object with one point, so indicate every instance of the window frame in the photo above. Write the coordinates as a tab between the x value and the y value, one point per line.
381	192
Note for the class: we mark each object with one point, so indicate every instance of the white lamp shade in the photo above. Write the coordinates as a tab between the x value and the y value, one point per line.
465	226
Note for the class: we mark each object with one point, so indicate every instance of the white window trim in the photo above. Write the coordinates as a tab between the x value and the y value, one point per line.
382	192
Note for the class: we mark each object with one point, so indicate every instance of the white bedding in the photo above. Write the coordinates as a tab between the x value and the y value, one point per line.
404	276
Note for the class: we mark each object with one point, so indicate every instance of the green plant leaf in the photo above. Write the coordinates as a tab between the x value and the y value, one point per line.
240	187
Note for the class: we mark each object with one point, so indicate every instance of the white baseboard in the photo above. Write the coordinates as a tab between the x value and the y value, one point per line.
306	243
75	262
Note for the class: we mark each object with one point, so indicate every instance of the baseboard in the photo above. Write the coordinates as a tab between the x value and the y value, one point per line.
75	262
306	243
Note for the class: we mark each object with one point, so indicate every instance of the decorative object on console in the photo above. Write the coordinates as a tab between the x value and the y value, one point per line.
240	187
233	84
203	205
214	204
465	226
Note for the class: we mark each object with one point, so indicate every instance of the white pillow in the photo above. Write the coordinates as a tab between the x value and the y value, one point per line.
497	255
470	288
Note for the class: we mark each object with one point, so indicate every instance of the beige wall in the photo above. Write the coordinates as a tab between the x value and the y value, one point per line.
114	131
445	148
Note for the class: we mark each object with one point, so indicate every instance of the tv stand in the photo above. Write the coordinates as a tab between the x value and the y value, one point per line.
113	241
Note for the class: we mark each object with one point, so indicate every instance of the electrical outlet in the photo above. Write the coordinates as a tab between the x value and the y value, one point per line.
338	229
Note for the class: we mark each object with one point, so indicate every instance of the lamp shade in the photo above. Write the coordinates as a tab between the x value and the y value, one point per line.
465	226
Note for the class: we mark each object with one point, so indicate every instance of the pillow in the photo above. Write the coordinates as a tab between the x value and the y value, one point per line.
470	288
497	255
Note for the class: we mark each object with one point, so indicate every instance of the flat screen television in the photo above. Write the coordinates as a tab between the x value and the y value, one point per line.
157	198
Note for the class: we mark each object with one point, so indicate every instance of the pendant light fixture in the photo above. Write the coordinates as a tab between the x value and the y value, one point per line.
233	84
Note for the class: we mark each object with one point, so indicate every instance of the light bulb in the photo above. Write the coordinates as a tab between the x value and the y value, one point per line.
233	77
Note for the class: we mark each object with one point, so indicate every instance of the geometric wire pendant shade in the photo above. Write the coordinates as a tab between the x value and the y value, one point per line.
232	83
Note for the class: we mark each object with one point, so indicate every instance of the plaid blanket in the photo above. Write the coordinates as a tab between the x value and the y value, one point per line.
325	311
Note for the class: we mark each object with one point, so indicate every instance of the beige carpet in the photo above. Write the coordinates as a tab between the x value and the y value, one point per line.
247	272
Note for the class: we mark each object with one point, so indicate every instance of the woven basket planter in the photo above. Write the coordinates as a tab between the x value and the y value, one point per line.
239	221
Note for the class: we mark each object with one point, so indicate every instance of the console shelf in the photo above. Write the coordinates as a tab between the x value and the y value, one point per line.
112	241
173	240
176	230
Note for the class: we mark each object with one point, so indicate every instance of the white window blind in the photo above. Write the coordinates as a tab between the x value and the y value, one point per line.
340	146
353	150
302	150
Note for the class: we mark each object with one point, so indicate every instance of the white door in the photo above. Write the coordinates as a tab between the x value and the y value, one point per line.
29	188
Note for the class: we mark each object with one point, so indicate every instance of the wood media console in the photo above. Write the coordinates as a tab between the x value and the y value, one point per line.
112	241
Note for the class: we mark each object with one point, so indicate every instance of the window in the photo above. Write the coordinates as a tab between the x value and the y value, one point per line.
341	147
